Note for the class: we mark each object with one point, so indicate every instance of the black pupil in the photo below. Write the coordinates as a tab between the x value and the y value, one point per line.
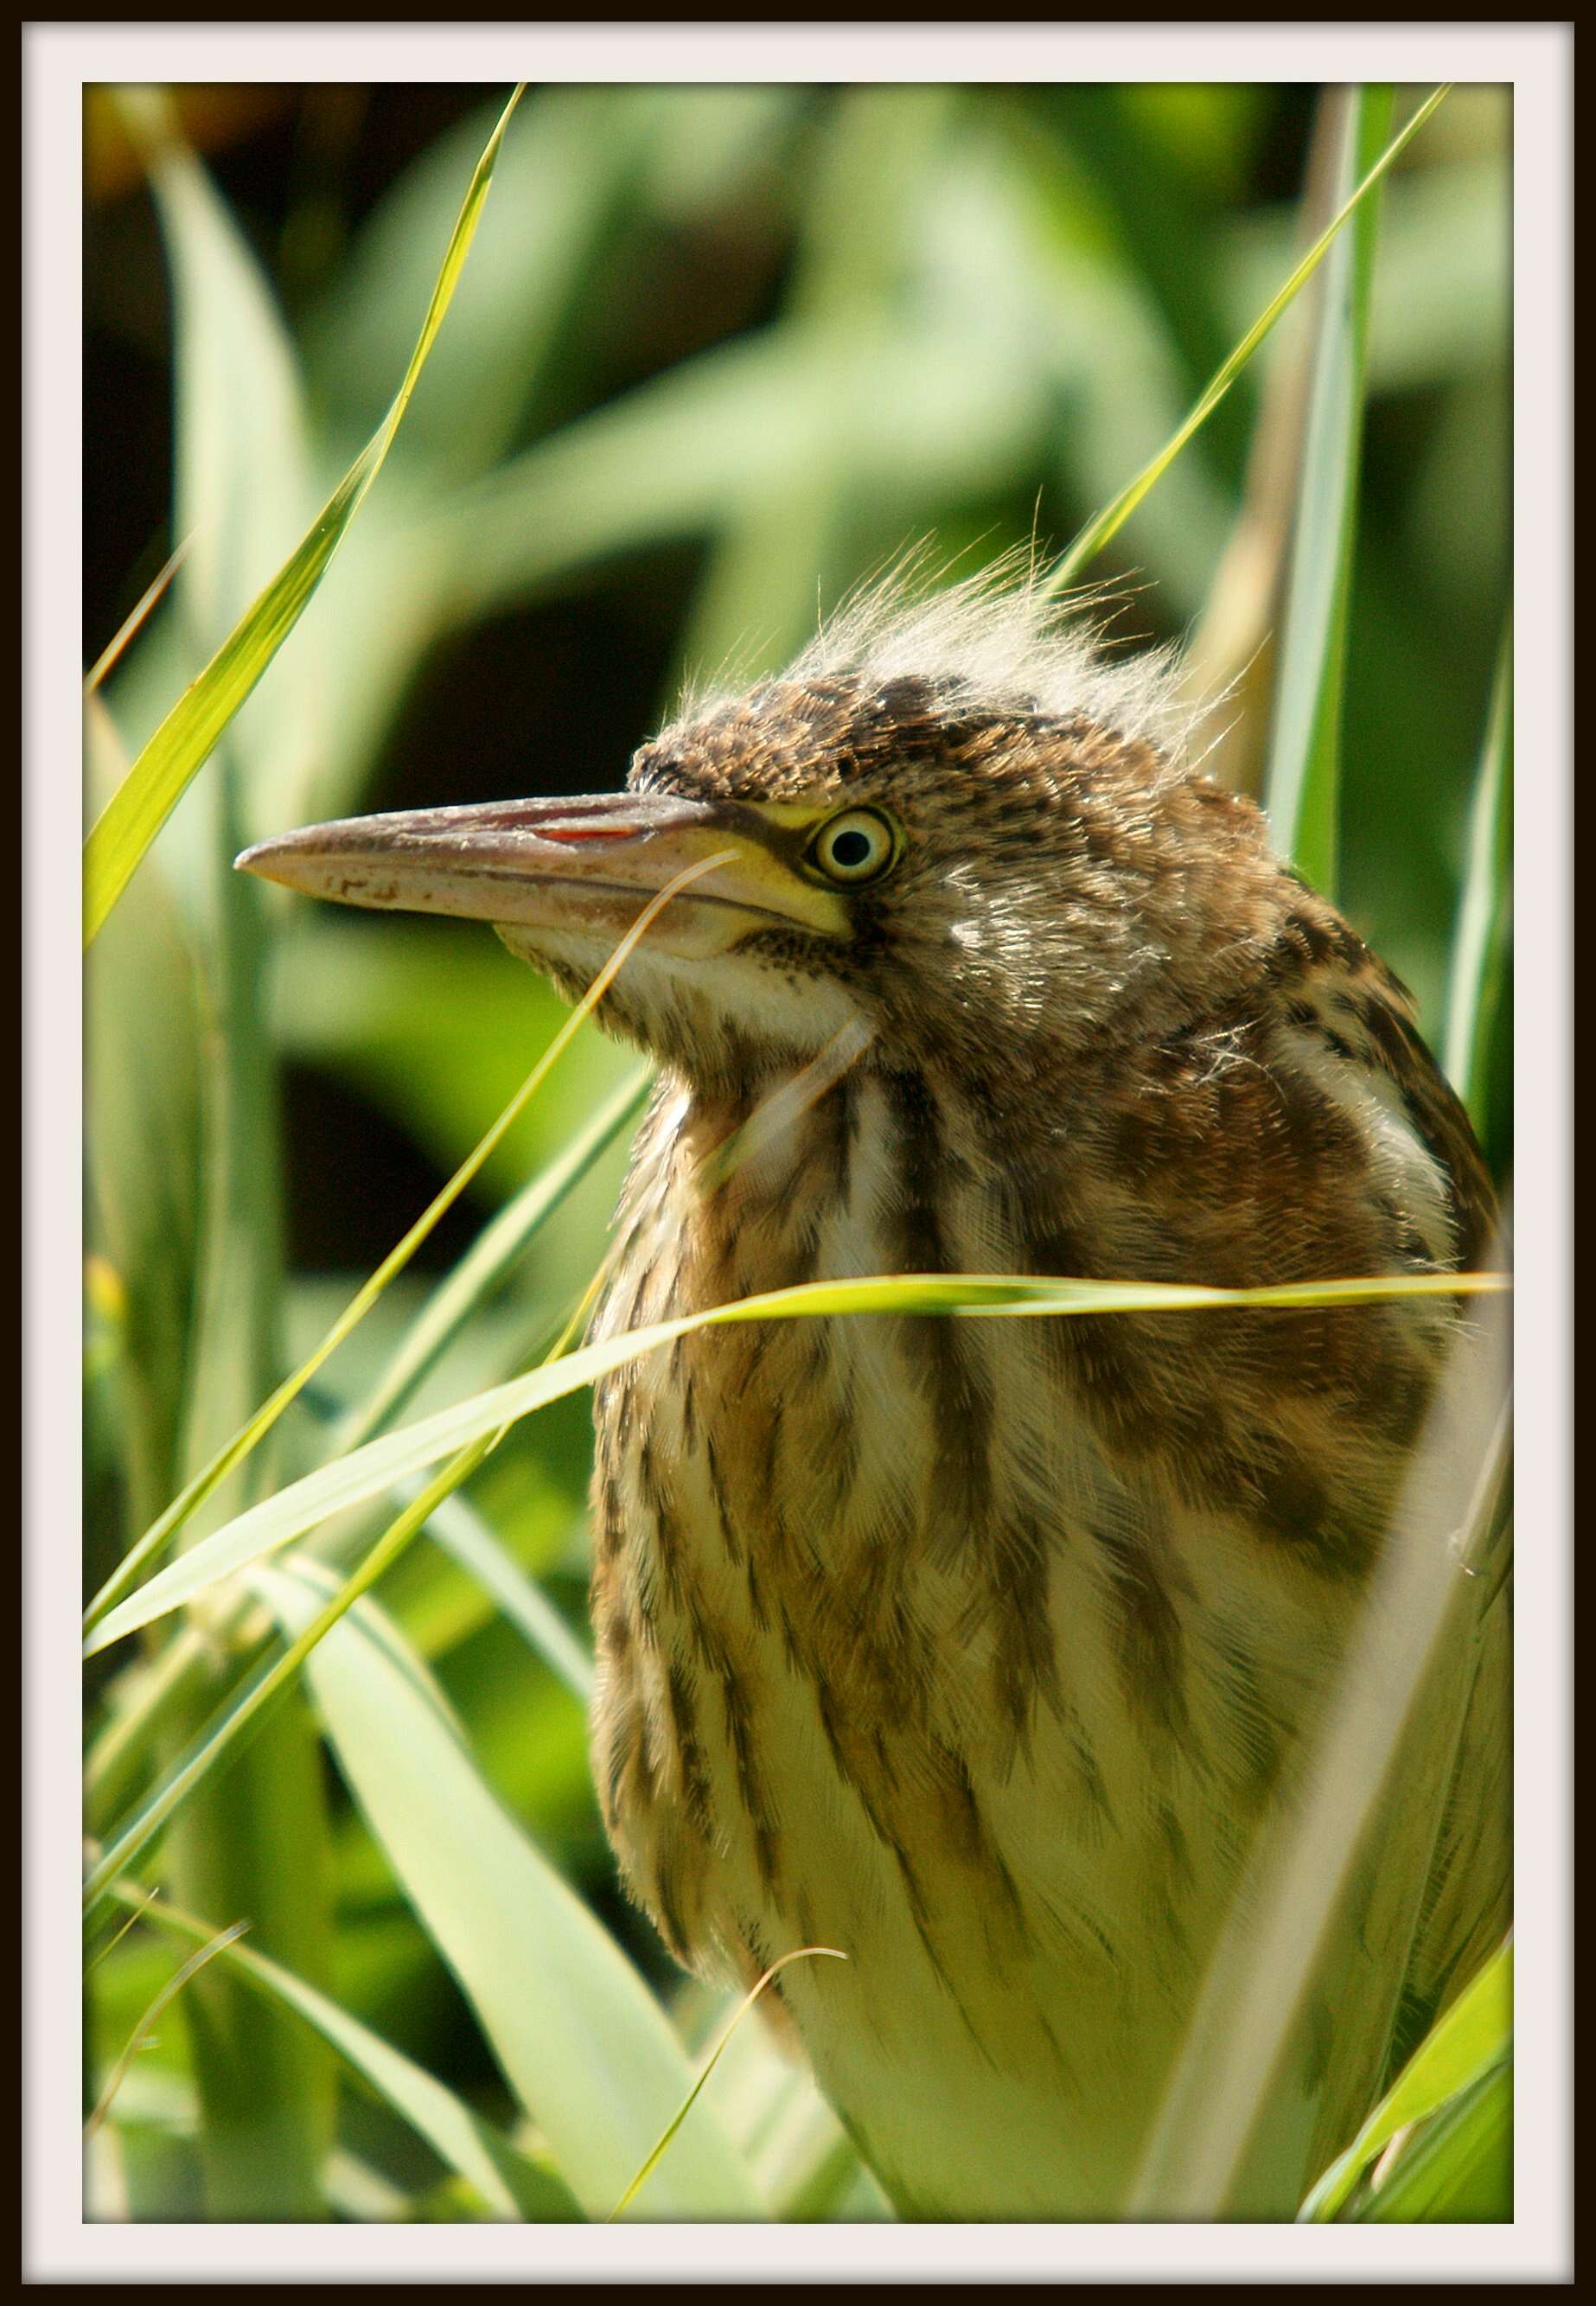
851	848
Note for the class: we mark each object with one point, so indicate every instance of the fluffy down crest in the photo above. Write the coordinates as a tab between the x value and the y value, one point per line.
998	643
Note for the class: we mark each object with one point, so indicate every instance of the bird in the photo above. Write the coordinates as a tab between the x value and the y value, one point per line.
985	1652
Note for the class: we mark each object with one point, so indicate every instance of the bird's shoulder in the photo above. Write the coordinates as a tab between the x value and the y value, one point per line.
1294	1124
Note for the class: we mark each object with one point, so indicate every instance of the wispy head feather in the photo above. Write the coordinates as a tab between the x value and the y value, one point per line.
999	641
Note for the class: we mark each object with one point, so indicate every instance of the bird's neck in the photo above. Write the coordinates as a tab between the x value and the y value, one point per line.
823	1170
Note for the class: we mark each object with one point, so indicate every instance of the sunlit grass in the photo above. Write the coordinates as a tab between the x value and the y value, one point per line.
592	2099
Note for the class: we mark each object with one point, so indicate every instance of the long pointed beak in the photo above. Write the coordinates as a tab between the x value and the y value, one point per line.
567	866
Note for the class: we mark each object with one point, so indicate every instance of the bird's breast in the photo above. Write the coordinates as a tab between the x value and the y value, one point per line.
894	1655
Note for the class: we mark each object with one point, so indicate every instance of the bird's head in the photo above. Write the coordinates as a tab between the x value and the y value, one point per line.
951	823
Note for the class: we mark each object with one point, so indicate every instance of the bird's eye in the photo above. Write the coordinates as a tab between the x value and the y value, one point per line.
854	846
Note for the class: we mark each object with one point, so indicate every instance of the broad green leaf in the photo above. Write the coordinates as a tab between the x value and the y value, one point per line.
1484	914
580	2037
185	738
1473	2037
1304	772
512	2186
1107	523
366	1472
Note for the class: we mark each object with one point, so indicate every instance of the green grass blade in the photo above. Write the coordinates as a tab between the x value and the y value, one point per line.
580	2037
255	1428
133	623
186	737
366	1472
213	1945
511	2186
662	2144
249	1707
242	492
245	483
151	1699
466	1539
144	1027
1314	1891
1303	779
1473	2037
1098	532
490	1257
1459	2169
1484	914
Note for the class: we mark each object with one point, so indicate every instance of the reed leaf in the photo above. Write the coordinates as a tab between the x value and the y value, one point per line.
1303	778
186	737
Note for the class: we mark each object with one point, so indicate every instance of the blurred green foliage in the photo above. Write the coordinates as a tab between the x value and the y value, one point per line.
718	352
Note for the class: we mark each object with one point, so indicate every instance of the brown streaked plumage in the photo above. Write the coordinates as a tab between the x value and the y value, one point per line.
984	1650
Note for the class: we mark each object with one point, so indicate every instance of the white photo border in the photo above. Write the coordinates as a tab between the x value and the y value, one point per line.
58	61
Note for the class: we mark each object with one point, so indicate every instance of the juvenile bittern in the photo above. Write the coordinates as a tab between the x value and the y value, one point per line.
982	1651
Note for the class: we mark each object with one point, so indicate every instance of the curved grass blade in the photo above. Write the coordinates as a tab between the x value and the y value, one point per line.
362	1475
1474	2036
799	1953
139	1901
1484	913
512	2186
167	1994
578	2033
186	737
1113	517
454	1528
